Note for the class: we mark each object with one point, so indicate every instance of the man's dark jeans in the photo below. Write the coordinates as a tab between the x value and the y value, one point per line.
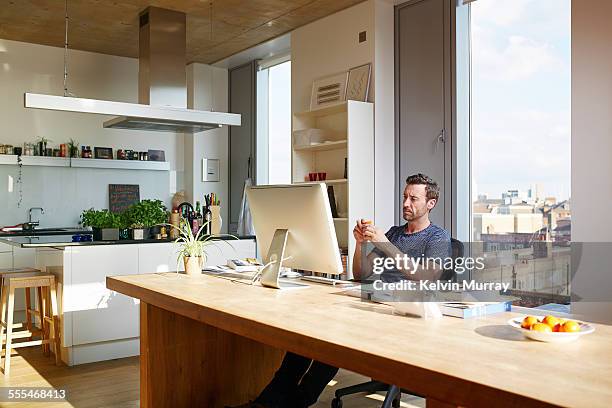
297	383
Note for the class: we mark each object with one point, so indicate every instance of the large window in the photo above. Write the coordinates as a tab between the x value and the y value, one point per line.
274	124
520	144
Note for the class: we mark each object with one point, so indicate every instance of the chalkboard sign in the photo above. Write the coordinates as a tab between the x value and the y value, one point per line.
121	196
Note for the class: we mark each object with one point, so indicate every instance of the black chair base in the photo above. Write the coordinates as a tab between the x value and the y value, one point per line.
392	399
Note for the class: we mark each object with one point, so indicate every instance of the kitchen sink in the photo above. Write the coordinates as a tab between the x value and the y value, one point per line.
45	231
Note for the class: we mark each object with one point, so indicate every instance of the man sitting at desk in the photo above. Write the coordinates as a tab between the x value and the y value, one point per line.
299	381
418	238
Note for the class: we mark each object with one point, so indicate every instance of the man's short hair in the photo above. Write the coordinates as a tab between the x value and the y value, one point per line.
432	190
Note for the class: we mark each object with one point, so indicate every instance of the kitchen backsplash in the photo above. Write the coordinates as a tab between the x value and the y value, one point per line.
65	192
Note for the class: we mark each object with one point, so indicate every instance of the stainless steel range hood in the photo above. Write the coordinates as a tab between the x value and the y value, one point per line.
162	85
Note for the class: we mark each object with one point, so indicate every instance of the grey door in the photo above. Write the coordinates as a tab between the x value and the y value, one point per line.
241	138
422	97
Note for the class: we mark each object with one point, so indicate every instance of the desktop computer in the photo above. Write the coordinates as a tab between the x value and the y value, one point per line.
294	228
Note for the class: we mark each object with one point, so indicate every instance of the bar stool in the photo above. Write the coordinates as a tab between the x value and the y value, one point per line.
28	300
44	284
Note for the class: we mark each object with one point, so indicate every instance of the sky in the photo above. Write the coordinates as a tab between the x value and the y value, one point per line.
279	124
521	96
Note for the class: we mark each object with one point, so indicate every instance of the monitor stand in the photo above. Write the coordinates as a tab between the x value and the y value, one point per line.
271	272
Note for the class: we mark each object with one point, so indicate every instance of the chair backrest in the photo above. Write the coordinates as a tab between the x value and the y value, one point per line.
457	251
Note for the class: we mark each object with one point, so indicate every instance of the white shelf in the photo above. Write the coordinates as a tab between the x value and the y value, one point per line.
336	181
338	144
44	161
325	111
354	122
8	159
120	164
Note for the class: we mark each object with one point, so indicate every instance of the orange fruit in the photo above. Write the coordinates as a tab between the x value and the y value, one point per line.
570	326
541	327
552	321
528	321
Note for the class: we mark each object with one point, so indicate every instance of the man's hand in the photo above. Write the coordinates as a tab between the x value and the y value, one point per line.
358	231
372	233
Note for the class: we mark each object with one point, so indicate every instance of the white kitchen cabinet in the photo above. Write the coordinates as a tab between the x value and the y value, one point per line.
24	257
158	258
6	256
219	252
97	323
163	257
97	313
6	260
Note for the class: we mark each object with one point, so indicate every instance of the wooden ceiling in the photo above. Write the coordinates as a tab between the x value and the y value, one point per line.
111	26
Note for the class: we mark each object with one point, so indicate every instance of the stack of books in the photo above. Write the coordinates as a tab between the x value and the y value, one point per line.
466	310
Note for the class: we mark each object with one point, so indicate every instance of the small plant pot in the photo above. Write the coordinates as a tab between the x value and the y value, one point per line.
156	229
193	265
137	233
106	234
124	233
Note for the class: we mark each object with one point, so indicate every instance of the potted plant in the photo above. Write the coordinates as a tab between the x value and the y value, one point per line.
105	224
145	215
124	230
73	148
137	231
192	248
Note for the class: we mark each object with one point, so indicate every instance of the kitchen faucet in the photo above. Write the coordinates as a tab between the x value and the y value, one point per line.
34	223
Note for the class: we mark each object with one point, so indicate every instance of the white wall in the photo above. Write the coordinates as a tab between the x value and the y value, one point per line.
591	149
331	45
207	89
65	192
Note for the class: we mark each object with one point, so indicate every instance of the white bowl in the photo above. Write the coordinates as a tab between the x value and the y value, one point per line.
551	337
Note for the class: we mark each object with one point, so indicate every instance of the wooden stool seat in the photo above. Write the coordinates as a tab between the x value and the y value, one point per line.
47	312
17	270
28	300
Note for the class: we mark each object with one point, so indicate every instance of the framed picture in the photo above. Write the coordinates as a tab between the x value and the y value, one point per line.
358	85
103	152
329	90
156	155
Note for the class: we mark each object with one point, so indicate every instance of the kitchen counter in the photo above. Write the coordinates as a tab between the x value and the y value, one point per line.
44	231
98	324
61	241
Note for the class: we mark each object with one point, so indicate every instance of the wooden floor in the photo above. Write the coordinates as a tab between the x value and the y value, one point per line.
116	384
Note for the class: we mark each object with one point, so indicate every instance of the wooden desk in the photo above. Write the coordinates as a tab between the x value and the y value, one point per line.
208	342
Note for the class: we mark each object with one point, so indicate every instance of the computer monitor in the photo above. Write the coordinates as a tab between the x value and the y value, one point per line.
294	228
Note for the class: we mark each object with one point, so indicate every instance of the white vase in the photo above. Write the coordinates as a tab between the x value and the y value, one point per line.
193	265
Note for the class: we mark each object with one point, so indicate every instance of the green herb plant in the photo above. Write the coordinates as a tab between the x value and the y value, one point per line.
73	148
101	219
146	214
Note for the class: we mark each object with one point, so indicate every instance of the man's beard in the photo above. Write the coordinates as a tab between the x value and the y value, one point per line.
411	216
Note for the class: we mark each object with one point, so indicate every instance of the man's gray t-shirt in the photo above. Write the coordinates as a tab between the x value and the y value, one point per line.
431	242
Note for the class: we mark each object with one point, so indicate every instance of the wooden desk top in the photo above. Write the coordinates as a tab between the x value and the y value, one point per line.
471	362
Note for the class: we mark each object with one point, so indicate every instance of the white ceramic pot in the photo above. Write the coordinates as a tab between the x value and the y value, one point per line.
193	265
138	233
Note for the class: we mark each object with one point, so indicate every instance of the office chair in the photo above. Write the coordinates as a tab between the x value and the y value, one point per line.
394	393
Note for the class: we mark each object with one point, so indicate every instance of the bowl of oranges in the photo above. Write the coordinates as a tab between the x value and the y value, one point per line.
550	328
